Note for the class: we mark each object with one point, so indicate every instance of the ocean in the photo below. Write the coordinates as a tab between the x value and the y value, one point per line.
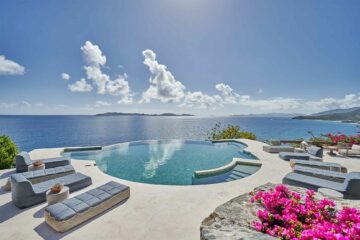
31	132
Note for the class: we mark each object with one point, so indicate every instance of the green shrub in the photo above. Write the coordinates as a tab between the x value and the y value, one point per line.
8	151
230	132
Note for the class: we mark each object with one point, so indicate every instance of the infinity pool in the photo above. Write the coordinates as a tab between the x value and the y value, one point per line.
169	162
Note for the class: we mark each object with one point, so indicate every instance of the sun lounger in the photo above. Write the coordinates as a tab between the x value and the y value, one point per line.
44	175
353	152
320	165
313	153
277	149
321	173
25	194
23	160
349	188
74	211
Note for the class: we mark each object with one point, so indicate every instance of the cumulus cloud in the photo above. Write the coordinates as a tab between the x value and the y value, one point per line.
99	104
65	76
228	94
9	67
96	61
163	85
348	101
80	86
93	55
200	100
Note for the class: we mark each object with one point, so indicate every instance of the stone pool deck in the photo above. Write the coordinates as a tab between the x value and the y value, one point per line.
153	211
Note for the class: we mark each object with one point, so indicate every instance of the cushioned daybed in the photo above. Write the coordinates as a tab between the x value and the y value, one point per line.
353	152
320	165
277	149
44	175
74	211
313	153
25	194
23	160
321	173
349	188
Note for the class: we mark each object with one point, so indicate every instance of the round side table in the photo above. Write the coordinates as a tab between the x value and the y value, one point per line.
52	198
34	168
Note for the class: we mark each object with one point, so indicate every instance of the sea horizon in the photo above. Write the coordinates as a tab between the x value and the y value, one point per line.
45	131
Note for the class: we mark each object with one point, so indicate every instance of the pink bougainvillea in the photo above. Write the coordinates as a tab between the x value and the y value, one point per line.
342	138
287	215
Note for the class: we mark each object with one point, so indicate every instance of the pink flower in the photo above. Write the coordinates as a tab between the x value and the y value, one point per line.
287	215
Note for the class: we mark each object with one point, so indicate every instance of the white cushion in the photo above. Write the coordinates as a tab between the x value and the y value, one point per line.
355	147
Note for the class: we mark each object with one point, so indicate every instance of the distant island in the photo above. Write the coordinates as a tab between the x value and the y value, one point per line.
351	115
144	114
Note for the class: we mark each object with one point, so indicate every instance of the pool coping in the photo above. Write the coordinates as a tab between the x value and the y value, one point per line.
227	167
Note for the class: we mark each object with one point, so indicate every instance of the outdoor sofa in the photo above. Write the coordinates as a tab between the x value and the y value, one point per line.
320	165
312	153
353	152
23	160
277	149
349	188
38	176
25	194
68	214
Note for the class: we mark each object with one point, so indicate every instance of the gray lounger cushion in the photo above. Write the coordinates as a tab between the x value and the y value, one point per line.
25	194
320	173
74	211
350	187
277	149
296	155
44	175
23	160
315	151
316	164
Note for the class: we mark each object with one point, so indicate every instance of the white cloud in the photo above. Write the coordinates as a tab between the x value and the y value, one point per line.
65	76
93	55
272	104
228	94
120	87
16	105
348	101
80	86
163	85
99	104
200	100
99	79
8	67
260	91
95	61
24	104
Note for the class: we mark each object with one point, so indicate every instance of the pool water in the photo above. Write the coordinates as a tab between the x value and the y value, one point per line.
169	162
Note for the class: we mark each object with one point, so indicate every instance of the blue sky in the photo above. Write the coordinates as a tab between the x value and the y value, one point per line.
202	57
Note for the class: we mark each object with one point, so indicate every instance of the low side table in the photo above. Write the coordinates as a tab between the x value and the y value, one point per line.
34	168
330	193
52	198
331	150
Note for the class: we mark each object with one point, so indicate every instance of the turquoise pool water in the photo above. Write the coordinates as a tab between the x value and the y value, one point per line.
169	162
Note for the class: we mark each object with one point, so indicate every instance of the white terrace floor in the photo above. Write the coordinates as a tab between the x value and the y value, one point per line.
152	212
